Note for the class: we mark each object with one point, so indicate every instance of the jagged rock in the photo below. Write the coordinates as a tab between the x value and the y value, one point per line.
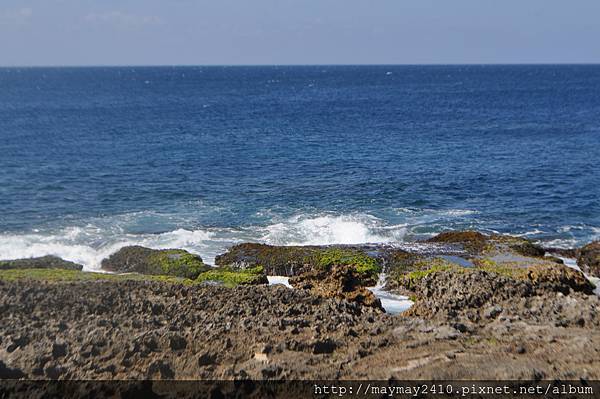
340	282
168	262
589	259
44	262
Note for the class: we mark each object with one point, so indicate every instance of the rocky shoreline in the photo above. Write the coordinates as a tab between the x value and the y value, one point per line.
485	307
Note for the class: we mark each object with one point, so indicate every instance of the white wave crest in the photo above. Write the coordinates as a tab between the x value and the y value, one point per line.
330	229
88	247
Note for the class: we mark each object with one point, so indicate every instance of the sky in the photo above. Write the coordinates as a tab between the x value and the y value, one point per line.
249	32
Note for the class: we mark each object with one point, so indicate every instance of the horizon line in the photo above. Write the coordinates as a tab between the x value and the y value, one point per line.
294	65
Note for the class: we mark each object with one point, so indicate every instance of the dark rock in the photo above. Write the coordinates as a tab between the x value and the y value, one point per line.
177	342
163	369
8	373
527	248
169	262
471	240
53	372
277	261
324	346
206	359
18	342
589	259
59	349
491	312
44	262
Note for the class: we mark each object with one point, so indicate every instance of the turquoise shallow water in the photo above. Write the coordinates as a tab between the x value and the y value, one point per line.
203	157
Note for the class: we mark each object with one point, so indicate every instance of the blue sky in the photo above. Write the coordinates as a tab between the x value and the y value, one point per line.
198	32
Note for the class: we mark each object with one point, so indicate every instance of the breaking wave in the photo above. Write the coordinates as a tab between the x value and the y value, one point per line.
90	241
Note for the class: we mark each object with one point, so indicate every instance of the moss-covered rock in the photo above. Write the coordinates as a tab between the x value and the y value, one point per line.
276	260
62	275
407	279
168	262
366	267
589	259
44	262
232	277
294	261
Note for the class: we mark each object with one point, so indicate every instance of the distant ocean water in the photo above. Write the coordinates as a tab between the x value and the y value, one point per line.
200	158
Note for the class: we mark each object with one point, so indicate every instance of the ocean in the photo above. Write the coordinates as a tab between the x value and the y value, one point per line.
205	157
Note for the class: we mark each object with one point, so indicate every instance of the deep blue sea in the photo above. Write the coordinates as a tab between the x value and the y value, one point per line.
203	157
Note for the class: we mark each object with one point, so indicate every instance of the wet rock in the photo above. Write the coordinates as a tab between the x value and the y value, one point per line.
169	262
44	262
527	248
562	252
472	241
589	259
277	260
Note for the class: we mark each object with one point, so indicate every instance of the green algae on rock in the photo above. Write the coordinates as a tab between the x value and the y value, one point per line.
365	266
64	275
276	260
43	262
233	277
169	262
294	260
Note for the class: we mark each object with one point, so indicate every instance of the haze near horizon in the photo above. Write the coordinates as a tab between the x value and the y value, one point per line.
263	32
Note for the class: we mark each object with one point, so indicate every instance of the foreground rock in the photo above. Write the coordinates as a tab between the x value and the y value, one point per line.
339	282
167	262
43	262
589	259
137	329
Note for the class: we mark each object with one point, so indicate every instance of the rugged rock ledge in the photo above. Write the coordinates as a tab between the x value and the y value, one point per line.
44	262
149	329
486	307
